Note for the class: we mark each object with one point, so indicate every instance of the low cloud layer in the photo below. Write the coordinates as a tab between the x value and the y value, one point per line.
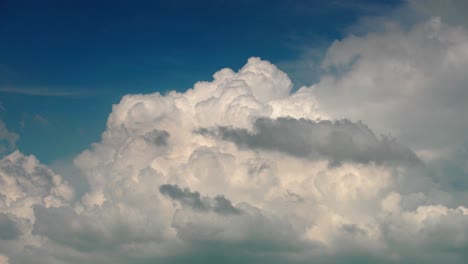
243	169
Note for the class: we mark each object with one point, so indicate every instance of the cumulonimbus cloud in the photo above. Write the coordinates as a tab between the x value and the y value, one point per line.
237	169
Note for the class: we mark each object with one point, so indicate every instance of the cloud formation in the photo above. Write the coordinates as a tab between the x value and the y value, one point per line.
237	169
411	84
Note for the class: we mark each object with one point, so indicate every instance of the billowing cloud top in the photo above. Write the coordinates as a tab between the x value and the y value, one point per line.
242	169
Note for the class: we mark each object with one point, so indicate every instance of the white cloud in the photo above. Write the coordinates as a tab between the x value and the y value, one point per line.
25	184
411	84
163	189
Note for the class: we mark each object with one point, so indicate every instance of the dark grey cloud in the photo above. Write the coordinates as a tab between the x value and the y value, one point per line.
338	141
8	228
294	197
353	229
184	196
158	137
224	206
194	200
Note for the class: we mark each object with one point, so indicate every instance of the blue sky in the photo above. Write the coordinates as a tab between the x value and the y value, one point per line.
64	63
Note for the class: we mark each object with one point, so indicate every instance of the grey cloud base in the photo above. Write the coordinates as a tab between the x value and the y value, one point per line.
337	141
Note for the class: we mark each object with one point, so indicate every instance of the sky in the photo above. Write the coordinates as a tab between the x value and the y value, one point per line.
61	56
233	131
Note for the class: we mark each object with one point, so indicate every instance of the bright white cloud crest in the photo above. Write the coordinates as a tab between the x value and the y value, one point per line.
242	169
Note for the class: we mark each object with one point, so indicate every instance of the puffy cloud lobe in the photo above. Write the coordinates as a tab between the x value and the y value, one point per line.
433	227
411	84
290	206
24	184
338	141
27	182
408	83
